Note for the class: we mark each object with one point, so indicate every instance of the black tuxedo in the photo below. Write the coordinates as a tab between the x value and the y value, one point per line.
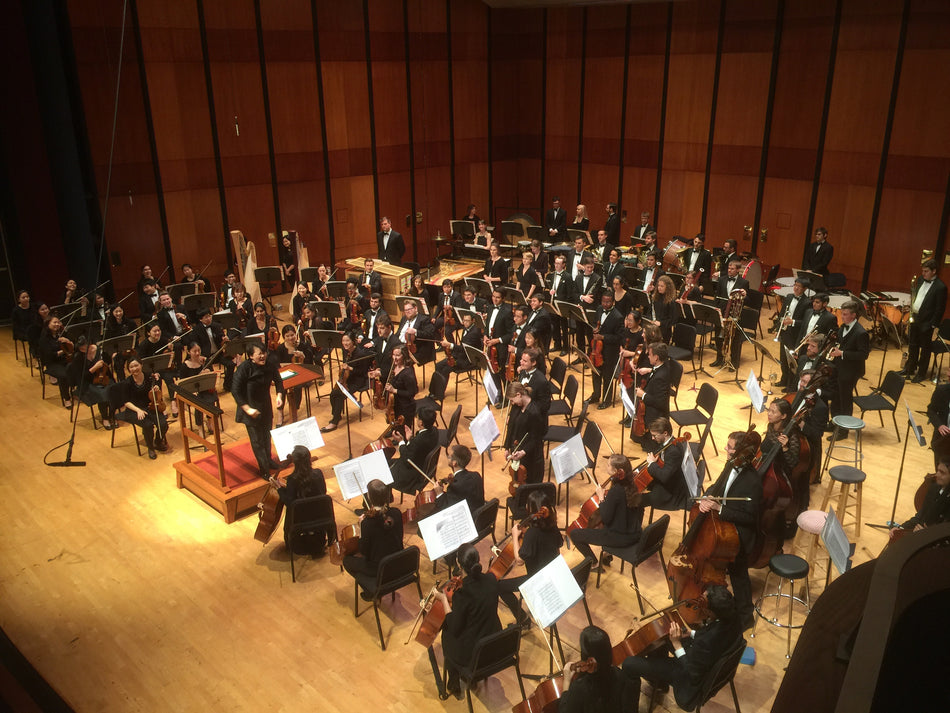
563	293
723	292
610	330
855	347
789	336
612	270
920	331
825	324
703	262
384	353
722	289
426	332
540	390
934	510
724	261
375	283
471	337
556	220
817	257
656	275
656	396
466	485
540	321
394	249
503	322
612	228
147	306
642	230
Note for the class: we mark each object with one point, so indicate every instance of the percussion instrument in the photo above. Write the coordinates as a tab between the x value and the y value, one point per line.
751	269
671	255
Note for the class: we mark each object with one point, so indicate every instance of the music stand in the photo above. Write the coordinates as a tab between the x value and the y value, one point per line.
329	340
512	229
327	310
192	304
239	345
482	287
402	299
814	280
65	311
157	363
537	232
91	330
631	275
309	274
268	278
641	298
585	362
573	234
479	362
226	318
462	229
513	295
336	289
709	316
180	289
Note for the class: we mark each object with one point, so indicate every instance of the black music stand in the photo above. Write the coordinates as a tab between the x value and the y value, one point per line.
329	340
181	289
108	347
577	317
815	281
482	287
143	328
239	345
709	316
91	330
632	275
513	295
573	234
327	311
269	279
479	361
309	274
193	387
157	363
462	229
66	311
537	232
192	304
226	318
336	289
512	230
641	299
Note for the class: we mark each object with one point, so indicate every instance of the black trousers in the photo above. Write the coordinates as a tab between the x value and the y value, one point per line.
560	333
603	383
258	431
151	427
919	349
583	539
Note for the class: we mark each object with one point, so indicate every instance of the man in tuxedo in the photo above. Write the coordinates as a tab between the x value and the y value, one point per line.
818	254
560	288
612	267
406	478
421	328
641	230
371	281
655	394
498	316
448	298
148	300
729	248
651	273
699	259
602	247
938	414
464	486
576	256
531	376
554	221
927	308
608	323
471	300
383	346
469	335
817	318
210	337
389	243
373	313
791	312
588	289
727	285
849	357
539	320
649	248
612	226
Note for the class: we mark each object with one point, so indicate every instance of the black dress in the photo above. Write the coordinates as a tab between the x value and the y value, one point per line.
527	278
539	546
298	487
407	387
380	536
474	615
137	394
497	268
612	692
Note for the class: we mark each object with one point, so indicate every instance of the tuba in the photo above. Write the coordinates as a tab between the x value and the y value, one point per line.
732	313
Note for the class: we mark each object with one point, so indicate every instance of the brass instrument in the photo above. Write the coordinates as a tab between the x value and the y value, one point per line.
729	323
808	336
781	323
913	297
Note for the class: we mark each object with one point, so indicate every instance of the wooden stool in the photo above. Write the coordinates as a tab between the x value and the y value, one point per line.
845	423
787	568
846	476
812	522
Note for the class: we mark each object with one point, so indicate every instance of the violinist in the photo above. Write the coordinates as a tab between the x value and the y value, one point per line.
471	615
471	301
605	689
189	277
536	547
288	260
532	377
55	352
304	482
690	294
300	299
532	340
525	430
146	276
935	508
171	319
260	322
448	298
655	392
621	511
193	364
498	317
420	291
607	323
631	339
308	320
148	300
354	376
380	534
651	273
560	288
383	346
418	328
138	410
240	305
663	307
71	294
100	310
471	336
668	490
539	320
291	351
90	393
354	302
407	479
153	344
739	482
402	384
211	337
514	340
813	425
694	652
319	287
251	391
372	314
496	267
118	325
588	287
371	282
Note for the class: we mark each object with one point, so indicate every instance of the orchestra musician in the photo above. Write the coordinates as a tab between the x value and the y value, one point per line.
372	314
54	352
818	255
153	344
587	288
655	393
391	247
698	259
402	384
99	309
499	318
193	363
927	307
240	305
35	329
145	277
260	321
380	535
304	482
668	489
612	226
136	408
690	294
605	690
482	237
560	288
694	653
849	358
779	413
649	248
24	313
420	291
170	318
421	329
578	255
555	221
581	221
227	289
663	307
621	511
935	508
471	214
354	376
354	298
300	300
791	314
540	321
319	287
251	391
211	336
87	359
641	230
470	616
540	264
526	428
189	277
651	273
744	514
471	300
526	276
383	347
287	254
727	285
463	486
938	414
613	268
371	282
406	479
471	336
532	376
514	340
496	267
148	300
607	323
291	350
729	253
623	300
602	249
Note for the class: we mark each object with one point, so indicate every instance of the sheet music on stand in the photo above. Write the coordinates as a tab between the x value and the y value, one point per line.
568	459
754	390
835	540
353	475
490	389
447	530
690	473
550	592
917	430
484	430
303	433
628	404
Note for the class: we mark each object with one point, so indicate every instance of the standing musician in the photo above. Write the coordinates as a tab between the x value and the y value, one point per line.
420	328
380	534
623	300
699	259
532	377
555	221
612	266
602	248
655	393
729	253
849	358
192	365
407	479
390	245
577	256
818	255
240	305
587	288
539	321
649	248
581	221
137	409
288	260
631	338
354	304
935	508
651	273
471	300
371	282
154	344
612	226
514	340
472	336
304	482
319	287
621	511
448	298
291	350
498	316
54	352
560	288
526	276
354	376
400	382
148	300
641	230
663	308
608	323
87	358
371	315
170	317
694	653
668	490
938	414
496	267
744	514
927	307
471	616
604	690
462	486
727	285
251	391
211	336
540	258
536	547
227	289
690	294
525	430
383	346
791	316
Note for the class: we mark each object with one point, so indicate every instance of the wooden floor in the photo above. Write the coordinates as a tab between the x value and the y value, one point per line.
127	594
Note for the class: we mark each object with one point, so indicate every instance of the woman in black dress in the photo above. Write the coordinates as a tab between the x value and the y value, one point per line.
288	260
305	482
118	325
36	328
403	386
291	351
192	365
471	615
623	300
24	313
240	305
663	307
154	343
482	237
581	221
527	279
302	297
420	291
606	689
380	531
496	267
55	352
136	408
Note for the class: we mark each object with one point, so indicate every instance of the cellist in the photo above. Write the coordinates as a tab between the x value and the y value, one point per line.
738	480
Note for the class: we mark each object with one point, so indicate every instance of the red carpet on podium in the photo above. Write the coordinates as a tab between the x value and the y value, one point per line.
240	465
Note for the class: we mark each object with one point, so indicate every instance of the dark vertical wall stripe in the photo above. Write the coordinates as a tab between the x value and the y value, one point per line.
412	145
663	101
825	110
544	104
267	119
488	84
886	143
712	113
623	105
323	129
580	112
222	196
767	134
944	221
372	110
150	127
448	55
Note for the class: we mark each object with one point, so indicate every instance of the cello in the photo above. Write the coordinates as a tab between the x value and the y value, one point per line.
545	697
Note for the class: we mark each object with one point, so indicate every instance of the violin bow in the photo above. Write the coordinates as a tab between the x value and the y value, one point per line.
422	472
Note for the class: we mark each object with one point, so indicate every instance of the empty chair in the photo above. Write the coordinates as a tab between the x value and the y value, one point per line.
649	544
493	654
557	374
683	344
883	399
449	434
560	433
564	406
676	376
706	401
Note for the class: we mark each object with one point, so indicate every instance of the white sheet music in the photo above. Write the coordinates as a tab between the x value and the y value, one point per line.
690	473
569	458
551	592
484	429
348	395
755	392
303	433
490	387
353	475
446	531
628	404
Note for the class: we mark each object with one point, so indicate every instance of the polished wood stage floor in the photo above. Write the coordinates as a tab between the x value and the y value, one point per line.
128	594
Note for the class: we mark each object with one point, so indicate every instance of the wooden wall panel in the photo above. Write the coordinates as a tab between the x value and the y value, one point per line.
530	103
562	108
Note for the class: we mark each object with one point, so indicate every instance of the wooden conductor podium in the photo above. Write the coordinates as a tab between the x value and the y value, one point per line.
396	280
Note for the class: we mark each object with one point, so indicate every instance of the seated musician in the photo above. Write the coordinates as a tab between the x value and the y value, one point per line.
654	391
418	329
605	689
300	299
935	508
414	452
620	511
668	490
154	344
531	376
354	371
318	288
779	414
86	358
193	364
148	300
137	410
482	237
694	652
354	304
240	305
304	482
471	615
259	322
292	351
813	425
211	337
536	545
471	300
371	316
189	276
380	532
462	486
170	317
54	352
938	415
118	325
472	336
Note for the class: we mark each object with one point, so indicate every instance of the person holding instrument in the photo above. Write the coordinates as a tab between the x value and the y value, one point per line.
137	408
302	297
55	352
193	364
189	276
304	482
380	532
655	392
525	432
402	384
621	511
694	652
87	389
251	391
935	508
155	343
240	305
371	282
290	351
354	376
536	546
668	490
531	376
211	337
470	336
607	323
406	478
605	689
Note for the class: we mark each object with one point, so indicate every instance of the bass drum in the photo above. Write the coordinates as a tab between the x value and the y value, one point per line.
671	255
751	269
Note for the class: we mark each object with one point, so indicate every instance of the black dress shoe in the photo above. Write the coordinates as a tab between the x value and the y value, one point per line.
152	454
625	422
717	363
917	379
329	427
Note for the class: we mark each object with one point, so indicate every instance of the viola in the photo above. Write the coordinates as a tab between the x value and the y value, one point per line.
348	543
354	312
597	350
67	346
493	353
504	554
103	377
273	339
510	370
435	617
518	474
155	401
639	422
411	343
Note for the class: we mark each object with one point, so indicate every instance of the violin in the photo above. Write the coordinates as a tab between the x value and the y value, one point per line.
67	346
155	401
449	316
411	343
517	472
273	339
492	352
510	370
629	371
504	554
355	312
103	377
435	616
597	350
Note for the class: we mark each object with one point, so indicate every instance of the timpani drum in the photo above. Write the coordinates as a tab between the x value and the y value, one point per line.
671	255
